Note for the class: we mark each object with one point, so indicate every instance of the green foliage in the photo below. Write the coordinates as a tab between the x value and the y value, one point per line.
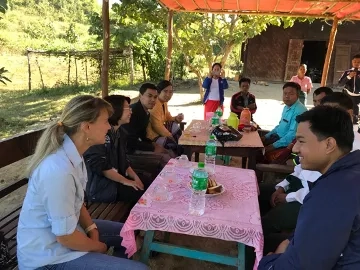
2	77
47	25
3	6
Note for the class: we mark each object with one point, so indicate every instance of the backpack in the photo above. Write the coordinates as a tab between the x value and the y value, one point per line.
225	134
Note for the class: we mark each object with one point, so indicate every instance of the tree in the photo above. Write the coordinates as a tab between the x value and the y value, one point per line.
3	7
202	38
208	38
140	25
2	77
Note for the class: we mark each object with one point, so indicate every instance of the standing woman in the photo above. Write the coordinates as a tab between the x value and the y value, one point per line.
111	177
215	84
55	230
305	83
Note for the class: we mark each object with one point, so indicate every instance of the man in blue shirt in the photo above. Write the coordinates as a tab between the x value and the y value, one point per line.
327	235
284	133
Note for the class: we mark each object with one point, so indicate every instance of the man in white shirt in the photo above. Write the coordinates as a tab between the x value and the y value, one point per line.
290	193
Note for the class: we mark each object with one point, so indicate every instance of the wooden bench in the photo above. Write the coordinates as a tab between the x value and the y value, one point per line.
20	147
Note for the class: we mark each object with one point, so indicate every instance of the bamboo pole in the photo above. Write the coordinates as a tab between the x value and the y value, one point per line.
132	66
41	77
69	68
86	72
29	68
170	44
76	73
106	48
329	51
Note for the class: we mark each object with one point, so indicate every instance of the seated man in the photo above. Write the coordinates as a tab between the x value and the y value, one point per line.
243	99
320	93
141	151
327	232
283	134
164	128
280	209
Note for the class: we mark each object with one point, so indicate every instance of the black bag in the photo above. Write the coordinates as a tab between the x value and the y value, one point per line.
5	258
225	134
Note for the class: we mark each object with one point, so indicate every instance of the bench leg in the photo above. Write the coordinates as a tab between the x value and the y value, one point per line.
241	256
243	161
197	156
145	251
166	237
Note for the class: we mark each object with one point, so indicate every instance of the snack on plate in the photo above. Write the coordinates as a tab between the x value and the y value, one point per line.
212	186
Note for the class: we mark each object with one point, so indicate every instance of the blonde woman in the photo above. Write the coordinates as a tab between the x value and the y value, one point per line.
55	231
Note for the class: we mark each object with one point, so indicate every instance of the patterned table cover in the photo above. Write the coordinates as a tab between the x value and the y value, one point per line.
232	216
199	136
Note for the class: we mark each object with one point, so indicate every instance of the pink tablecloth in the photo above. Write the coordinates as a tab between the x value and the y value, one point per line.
232	216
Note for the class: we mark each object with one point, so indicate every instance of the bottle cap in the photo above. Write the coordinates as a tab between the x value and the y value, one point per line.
201	165
212	137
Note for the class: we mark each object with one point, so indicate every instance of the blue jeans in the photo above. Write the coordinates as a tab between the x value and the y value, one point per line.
109	232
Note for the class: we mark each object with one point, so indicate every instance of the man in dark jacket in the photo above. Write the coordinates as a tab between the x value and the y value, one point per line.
351	82
327	235
142	152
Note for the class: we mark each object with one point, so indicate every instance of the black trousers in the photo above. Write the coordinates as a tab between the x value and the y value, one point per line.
356	101
277	222
129	194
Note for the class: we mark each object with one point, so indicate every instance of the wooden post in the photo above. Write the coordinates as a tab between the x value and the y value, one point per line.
106	48
29	68
76	73
131	67
41	77
329	51
170	44
69	67
86	72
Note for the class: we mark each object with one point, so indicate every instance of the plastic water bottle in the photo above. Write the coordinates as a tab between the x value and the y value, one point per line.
210	155
215	120
219	112
199	186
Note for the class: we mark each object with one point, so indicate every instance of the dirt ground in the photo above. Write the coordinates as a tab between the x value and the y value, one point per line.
186	101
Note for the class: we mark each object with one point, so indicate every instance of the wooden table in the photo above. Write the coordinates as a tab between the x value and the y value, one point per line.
232	216
194	140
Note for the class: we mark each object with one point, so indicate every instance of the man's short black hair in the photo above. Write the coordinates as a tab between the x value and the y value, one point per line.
323	89
341	99
244	80
335	122
293	85
117	102
356	56
145	86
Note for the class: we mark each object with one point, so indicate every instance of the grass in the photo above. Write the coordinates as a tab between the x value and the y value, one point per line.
21	110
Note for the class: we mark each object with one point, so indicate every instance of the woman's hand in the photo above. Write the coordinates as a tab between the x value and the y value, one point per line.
222	73
138	181
102	248
134	184
94	234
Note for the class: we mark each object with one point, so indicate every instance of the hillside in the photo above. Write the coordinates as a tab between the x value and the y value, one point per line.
47	24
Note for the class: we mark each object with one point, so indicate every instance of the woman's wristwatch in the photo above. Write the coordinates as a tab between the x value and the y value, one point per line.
91	227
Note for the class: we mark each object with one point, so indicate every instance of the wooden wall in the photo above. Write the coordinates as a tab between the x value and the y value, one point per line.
265	55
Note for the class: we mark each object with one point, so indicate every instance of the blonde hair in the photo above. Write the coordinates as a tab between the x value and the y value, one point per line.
79	109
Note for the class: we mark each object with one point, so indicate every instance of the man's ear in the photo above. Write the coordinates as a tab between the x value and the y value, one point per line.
331	145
